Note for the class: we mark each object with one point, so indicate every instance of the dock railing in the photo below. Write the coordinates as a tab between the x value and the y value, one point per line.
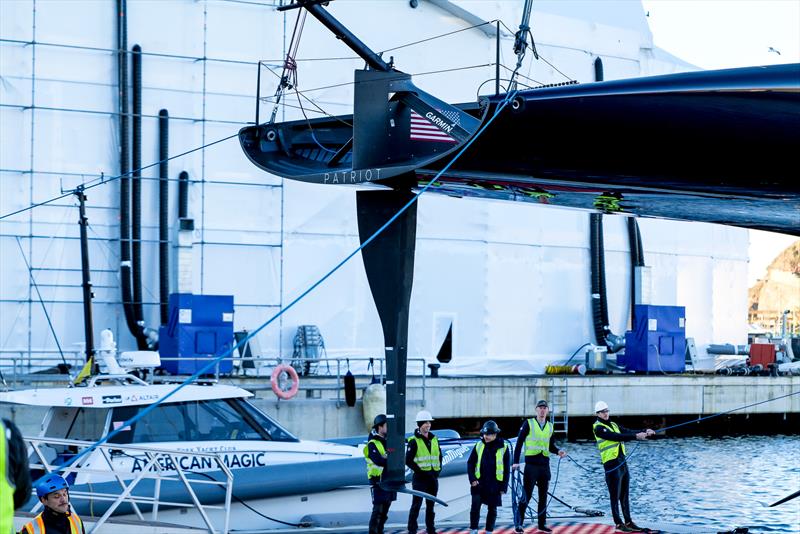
20	368
159	465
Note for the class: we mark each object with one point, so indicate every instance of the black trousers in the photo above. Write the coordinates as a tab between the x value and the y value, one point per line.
475	514
430	485
538	474
618	479
381	501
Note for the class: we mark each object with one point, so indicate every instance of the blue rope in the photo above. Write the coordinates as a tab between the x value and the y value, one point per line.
633	451
518	495
214	361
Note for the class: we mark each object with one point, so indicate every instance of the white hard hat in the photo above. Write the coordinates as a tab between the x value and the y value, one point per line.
423	415
600	406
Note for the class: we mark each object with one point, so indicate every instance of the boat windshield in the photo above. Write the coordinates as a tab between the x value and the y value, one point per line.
202	420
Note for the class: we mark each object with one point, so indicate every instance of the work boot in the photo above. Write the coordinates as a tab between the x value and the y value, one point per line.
518	529
633	526
545	528
622	527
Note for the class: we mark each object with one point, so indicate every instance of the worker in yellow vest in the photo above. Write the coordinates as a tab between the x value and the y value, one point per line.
536	435
377	456
488	469
15	481
610	442
56	517
424	458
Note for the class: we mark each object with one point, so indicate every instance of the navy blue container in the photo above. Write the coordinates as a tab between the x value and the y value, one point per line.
658	340
200	327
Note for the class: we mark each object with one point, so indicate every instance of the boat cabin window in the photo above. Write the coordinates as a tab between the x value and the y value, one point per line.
204	420
85	424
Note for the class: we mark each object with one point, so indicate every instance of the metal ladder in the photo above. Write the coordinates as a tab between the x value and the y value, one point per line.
559	397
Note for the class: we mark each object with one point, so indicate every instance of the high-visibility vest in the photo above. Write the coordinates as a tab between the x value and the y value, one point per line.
37	525
608	449
538	439
498	461
427	459
373	469
6	484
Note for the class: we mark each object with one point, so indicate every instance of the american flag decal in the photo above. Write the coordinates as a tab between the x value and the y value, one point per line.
423	130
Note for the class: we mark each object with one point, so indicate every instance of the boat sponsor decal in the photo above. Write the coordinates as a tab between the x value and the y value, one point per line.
215	448
141	397
231	460
68	401
432	127
87	401
112	399
352	177
456	454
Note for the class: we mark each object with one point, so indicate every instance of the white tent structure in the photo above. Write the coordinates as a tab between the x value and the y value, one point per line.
513	280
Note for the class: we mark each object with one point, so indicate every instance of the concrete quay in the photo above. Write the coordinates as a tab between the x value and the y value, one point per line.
515	397
319	411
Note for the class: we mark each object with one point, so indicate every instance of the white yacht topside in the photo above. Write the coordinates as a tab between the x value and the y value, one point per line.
106	396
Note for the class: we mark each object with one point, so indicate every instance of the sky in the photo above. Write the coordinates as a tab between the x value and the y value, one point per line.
719	34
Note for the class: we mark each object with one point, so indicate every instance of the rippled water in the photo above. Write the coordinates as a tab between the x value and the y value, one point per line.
715	483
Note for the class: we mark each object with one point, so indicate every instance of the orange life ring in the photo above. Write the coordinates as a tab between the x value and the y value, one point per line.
276	388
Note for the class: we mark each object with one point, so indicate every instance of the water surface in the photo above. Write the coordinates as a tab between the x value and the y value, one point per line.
717	483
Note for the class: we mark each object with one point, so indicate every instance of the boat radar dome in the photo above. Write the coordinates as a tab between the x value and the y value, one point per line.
139	359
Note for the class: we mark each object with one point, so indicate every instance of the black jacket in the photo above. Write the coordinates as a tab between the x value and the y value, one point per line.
624	434
488	466
538	458
18	470
55	522
376	456
411	453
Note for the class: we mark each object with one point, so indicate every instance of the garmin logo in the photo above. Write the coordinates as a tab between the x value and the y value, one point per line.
439	122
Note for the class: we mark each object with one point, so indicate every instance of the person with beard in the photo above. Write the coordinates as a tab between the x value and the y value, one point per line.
56	517
376	455
488	471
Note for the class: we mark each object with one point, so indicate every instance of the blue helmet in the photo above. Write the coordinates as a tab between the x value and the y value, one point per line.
49	484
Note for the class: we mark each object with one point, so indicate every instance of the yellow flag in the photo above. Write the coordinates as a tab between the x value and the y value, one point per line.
85	372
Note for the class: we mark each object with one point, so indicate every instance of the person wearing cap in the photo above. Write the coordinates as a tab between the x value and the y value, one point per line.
56	517
376	455
488	469
424	458
536	434
610	442
15	486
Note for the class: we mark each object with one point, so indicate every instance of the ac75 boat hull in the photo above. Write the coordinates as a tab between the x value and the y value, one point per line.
715	146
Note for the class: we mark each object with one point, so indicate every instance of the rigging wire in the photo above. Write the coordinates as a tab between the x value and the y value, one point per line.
44	308
102	180
288	78
539	56
427	39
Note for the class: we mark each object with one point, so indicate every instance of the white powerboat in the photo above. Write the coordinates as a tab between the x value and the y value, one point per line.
205	457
